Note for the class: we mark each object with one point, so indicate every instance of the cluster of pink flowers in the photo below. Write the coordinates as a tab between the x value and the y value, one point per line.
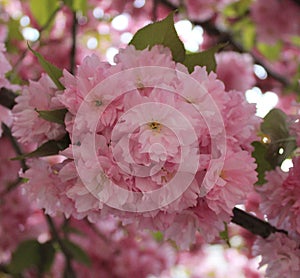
117	251
214	261
270	30
147	143
28	126
235	70
279	202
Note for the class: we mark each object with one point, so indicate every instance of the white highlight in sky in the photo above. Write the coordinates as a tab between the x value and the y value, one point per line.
110	54
126	37
98	13
260	71
264	102
30	34
24	21
120	22
286	165
191	37
92	43
139	3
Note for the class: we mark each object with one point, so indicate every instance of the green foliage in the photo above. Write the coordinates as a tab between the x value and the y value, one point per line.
162	32
31	253
244	32
76	252
54	72
237	9
158	236
13	35
279	144
51	147
204	58
271	52
55	116
42	10
260	153
224	234
77	5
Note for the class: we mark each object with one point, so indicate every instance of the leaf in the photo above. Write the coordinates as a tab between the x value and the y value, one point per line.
162	32
76	252
245	32
26	255
77	5
54	72
281	144
271	52
237	9
259	153
204	58
224	234
158	236
47	254
51	147
55	116
42	10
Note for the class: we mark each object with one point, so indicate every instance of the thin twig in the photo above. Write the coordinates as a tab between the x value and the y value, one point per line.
15	144
73	47
69	272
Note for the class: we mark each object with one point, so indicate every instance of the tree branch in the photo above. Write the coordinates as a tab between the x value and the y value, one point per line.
73	47
69	272
253	224
225	36
7	98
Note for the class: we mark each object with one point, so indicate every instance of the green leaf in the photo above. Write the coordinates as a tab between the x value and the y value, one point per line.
76	252
204	58
237	9
271	52
77	5
260	153
54	72
158	236
224	234
14	34
47	254
161	32
26	255
296	40
281	144
244	32
51	147
55	116
42	10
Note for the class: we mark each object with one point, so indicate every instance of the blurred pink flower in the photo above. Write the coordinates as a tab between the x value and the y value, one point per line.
28	126
235	70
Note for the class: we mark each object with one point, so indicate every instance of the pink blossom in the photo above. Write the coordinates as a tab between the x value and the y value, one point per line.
202	10
214	261
280	198
28	127
235	70
270	30
281	254
146	132
46	189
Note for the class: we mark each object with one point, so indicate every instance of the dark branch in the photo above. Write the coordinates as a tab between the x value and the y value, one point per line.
69	272
7	98
73	47
253	224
